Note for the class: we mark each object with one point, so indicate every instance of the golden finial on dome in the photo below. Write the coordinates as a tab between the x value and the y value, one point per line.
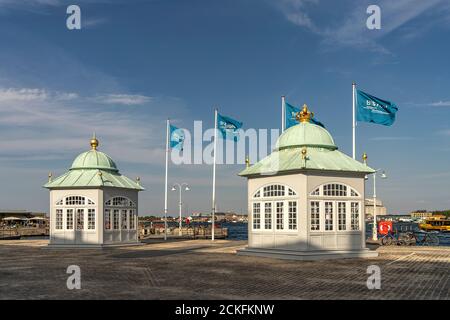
94	142
305	115
247	162
50	175
364	157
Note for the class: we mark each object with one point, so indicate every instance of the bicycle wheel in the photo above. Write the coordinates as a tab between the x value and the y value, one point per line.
386	241
434	240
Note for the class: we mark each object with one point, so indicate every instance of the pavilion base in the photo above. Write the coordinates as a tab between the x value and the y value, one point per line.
92	246
307	255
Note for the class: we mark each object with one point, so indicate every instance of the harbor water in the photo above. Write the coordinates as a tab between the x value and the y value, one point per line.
239	231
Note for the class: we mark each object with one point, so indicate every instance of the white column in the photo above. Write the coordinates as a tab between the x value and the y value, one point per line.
165	184
214	177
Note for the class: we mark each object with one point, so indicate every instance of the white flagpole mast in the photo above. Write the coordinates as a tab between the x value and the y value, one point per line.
283	114
165	189
214	177
354	119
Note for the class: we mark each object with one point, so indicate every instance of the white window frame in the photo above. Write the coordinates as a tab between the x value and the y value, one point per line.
91	225
131	220
259	208
288	192
318	191
351	215
292	217
256	216
86	200
279	215
126	208
348	215
66	220
107	213
59	219
110	202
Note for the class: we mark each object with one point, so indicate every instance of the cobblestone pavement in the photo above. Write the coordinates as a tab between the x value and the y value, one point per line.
198	269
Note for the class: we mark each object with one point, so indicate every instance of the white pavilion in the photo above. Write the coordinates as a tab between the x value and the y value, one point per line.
93	205
306	199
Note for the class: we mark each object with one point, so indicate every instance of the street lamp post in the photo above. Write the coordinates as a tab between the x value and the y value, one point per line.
383	176
374	227
180	188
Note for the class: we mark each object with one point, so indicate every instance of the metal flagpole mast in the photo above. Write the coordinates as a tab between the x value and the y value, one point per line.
214	177
354	120
374	227
165	190
283	114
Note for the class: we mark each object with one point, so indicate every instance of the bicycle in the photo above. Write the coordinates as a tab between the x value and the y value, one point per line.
425	238
388	239
398	238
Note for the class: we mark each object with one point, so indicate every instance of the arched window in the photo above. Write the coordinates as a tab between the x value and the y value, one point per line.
335	190
119	202
274	209
74	201
274	190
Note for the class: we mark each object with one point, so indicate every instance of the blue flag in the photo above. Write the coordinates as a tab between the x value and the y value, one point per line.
375	110
290	116
228	127
176	137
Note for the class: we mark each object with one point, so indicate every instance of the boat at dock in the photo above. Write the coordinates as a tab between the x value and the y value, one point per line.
435	224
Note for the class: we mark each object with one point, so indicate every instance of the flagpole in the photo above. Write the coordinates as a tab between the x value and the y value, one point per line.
354	120
165	190
283	113
214	177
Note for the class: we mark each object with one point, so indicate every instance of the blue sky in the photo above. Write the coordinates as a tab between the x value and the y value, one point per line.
135	63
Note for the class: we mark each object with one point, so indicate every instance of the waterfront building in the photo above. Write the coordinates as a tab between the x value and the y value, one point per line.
93	205
421	214
306	199
23	214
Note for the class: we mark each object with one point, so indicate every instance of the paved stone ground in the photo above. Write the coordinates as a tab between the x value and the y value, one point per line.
198	269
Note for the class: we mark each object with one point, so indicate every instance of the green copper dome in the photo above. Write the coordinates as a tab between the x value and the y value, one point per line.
305	134
93	169
93	159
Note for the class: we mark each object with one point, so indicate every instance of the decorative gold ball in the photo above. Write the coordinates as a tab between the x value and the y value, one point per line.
94	143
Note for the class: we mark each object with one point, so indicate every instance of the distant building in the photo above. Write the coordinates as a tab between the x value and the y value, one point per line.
20	214
93	205
381	209
421	214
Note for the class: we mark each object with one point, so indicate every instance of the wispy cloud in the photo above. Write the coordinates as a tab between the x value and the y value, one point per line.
393	138
33	94
351	30
124	99
295	12
440	104
42	123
